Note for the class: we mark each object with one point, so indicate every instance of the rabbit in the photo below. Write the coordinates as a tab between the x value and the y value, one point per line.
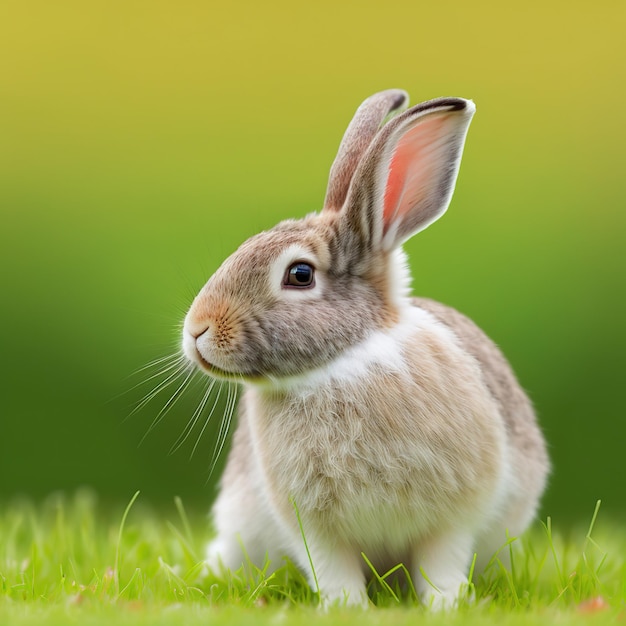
370	421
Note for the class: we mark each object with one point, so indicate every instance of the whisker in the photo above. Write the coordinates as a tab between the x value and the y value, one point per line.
222	436
180	361
169	404
175	359
207	420
191	424
180	369
177	356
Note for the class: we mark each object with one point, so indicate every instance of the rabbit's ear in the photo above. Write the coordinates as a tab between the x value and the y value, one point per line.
405	180
358	136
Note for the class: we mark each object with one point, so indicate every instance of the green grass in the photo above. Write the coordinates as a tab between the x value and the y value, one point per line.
71	560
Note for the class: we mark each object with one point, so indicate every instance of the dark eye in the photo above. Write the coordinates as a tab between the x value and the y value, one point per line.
300	275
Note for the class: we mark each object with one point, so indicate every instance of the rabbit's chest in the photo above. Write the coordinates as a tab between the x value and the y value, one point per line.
350	462
338	476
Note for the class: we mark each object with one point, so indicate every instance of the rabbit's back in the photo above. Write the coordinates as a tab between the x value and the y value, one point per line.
527	448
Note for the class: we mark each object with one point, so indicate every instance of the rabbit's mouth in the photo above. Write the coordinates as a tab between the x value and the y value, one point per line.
239	377
213	370
217	372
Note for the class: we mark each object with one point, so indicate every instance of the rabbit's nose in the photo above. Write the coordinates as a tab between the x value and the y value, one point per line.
195	327
215	334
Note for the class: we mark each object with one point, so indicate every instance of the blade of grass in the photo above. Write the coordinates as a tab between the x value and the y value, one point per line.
116	569
381	579
306	546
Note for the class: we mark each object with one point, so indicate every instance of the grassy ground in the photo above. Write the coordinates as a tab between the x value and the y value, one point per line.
72	561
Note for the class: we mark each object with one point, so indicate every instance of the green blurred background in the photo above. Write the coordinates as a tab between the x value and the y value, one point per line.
141	142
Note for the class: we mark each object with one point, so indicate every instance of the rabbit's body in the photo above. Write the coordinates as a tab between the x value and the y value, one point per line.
394	426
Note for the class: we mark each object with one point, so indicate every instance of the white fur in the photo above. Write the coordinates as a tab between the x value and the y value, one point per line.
399	277
381	347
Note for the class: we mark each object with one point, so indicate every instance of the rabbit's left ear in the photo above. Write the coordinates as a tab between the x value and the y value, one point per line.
362	129
405	180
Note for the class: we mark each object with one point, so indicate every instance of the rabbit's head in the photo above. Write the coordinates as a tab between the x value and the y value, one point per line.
293	298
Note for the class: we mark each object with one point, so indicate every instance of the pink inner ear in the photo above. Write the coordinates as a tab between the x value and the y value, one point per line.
413	168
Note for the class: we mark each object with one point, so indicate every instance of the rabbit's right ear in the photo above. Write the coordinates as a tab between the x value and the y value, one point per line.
357	138
405	180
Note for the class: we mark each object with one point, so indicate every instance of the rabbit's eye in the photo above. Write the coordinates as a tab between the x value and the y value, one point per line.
300	275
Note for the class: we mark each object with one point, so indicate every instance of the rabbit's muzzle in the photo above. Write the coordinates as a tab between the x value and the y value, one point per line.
211	336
